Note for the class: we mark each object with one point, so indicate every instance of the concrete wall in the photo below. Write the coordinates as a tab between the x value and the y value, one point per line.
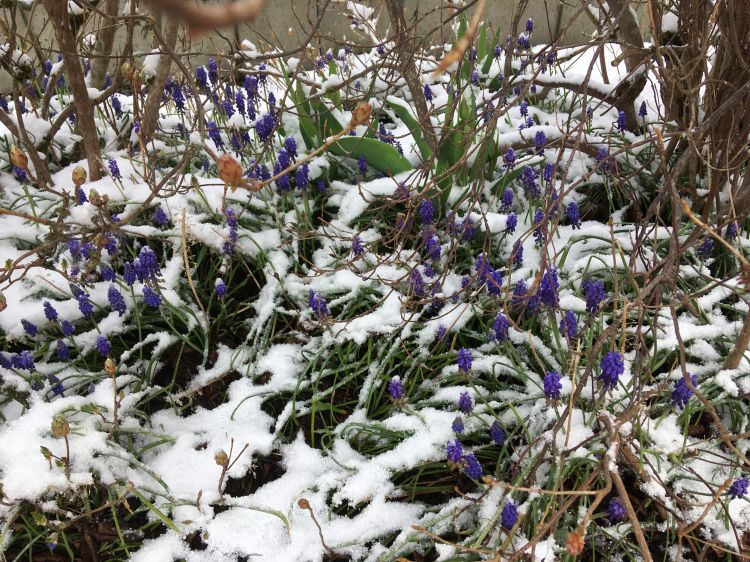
287	23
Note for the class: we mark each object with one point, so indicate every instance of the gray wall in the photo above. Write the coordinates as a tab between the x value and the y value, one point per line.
286	23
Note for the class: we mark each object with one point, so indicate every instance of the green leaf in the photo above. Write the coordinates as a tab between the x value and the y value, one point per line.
306	125
327	124
490	53
159	513
381	156
482	43
404	113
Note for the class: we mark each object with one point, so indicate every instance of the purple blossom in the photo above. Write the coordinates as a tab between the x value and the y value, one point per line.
569	325
594	293
362	165
116	300
49	311
67	328
682	393
426	212
150	297
302	176
642	111
416	283
473	469
454	451
548	288
573	215
30	329
552	385
84	304
732	231
494	283
160	217
496	433
615	510
507	199
707	249
517	252
465	403
510	224
264	127
213	71
427	93
622	121
509	159
612	366
62	351
106	272
739	488
114	169
357	247
458	425
500	328
103	346
539	141
509	515
220	287
318	304
529	25
433	247
396	389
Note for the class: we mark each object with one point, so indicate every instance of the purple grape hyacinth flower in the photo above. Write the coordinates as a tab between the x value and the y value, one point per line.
509	515
682	393
569	325
464	362
220	287
594	293
615	510
150	297
103	346
612	366
454	451
473	469
396	388
552	385
739	488
497	434
465	403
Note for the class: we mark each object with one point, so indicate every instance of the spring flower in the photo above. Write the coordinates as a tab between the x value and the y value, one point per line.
84	304
433	247
62	351
615	510
509	159
150	297
739	488
318	304
49	311
264	127
523	108
416	283
682	393
517	252
19	173
707	249
510	224
426	212
642	111
396	388
454	451
473	469
67	328
509	515
116	300
539	141
362	165
464	365
465	403
507	199
106	272
622	121
569	325
357	247
440	333
573	215
494	283
732	231
538	234
103	346
529	25
220	288
160	217
213	71
594	293
148	265
612	366
496	433
30	329
500	328
552	385
114	169
427	93
548	288
458	425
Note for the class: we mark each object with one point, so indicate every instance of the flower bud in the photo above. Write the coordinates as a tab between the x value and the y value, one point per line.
94	198
110	367
221	458
303	503
18	158
3	302
574	544
229	170
60	426
79	176
361	114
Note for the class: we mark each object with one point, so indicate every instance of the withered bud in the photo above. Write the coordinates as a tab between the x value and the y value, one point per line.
303	503
110	367
574	544
3	302
18	158
94	198
127	71
229	170
79	176
60	426
221	458
361	114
